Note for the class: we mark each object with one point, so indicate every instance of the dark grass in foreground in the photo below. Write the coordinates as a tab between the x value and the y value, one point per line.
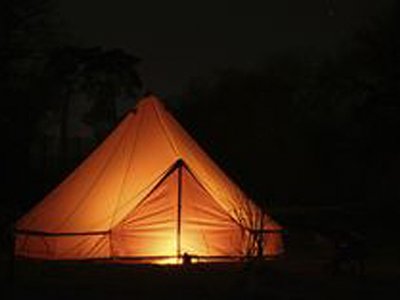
302	273
280	279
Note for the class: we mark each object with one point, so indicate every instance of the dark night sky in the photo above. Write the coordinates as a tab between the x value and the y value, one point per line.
178	40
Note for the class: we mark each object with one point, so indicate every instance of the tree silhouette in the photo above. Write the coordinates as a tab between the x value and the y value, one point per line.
306	129
109	75
102	76
27	31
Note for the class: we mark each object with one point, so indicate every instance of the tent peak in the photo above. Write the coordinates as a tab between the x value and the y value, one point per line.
148	98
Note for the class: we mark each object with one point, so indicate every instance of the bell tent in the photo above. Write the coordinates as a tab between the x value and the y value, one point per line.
148	192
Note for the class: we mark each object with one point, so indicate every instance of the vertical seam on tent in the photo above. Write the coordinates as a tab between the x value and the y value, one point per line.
170	140
124	180
126	173
94	181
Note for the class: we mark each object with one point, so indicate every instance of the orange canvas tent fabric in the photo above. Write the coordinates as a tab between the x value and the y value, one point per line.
148	191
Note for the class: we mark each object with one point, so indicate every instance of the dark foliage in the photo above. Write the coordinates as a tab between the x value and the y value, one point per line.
309	130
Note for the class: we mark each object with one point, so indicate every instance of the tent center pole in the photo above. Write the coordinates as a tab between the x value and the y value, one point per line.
178	228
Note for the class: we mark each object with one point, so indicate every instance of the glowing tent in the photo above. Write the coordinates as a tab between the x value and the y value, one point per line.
147	192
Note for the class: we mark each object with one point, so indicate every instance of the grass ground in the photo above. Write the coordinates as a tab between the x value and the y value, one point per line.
301	273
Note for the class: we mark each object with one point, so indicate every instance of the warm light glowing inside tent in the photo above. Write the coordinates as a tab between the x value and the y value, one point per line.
148	192
166	251
167	261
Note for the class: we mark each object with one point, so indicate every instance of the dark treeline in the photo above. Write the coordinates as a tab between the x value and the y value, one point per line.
309	129
58	100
